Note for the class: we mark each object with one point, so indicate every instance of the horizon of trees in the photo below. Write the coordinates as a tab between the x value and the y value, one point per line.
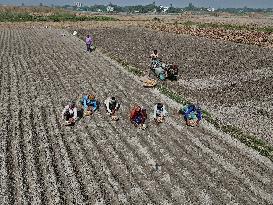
157	8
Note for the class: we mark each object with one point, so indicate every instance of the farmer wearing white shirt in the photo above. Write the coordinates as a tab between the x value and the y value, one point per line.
159	112
70	113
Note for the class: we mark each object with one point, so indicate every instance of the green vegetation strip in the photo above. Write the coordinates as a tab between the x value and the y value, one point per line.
23	17
226	26
131	69
251	141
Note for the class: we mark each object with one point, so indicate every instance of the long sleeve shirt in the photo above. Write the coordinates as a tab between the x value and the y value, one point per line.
89	40
71	111
161	111
139	114
109	108
87	102
192	113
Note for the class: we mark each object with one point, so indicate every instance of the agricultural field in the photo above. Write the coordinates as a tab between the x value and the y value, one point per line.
99	161
233	81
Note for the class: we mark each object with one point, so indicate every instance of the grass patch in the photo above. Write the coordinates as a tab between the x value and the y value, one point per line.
179	99
57	17
128	67
250	140
131	69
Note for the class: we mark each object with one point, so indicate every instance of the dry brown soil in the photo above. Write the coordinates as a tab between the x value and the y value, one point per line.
232	81
99	161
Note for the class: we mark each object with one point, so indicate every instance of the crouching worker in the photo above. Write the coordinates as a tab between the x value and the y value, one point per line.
69	114
155	61
89	104
192	114
159	113
154	55
138	116
112	106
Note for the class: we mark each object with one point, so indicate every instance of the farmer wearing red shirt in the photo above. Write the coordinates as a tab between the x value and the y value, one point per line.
138	116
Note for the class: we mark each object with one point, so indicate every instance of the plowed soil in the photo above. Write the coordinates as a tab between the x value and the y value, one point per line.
232	81
99	161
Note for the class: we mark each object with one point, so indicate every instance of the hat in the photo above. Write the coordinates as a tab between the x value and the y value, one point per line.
91	97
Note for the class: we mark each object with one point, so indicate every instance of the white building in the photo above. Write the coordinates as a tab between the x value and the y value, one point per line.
164	8
211	9
109	9
78	4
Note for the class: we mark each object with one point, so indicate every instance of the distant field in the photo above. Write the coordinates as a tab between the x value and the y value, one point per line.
44	14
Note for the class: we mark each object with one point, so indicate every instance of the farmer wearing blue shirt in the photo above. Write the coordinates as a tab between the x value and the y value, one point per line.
192	114
89	104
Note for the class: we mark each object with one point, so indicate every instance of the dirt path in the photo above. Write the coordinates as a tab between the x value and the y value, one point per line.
99	161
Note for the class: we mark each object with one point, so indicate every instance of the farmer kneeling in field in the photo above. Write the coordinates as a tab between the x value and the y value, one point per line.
112	107
138	116
154	55
159	113
161	72
155	62
89	104
70	113
192	114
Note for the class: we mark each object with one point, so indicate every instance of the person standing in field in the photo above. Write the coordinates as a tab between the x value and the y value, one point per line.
89	42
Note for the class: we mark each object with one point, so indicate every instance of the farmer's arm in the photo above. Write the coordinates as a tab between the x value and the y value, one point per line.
107	102
75	113
155	109
95	105
85	102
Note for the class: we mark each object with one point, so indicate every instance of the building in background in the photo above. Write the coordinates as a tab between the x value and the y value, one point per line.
78	4
164	8
211	9
110	8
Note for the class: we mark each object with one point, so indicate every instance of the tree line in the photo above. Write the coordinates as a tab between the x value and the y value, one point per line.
159	9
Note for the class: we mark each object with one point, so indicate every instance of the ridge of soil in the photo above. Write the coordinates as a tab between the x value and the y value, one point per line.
99	161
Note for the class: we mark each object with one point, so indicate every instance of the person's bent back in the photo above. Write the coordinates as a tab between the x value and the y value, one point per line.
70	113
89	103
111	105
138	116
